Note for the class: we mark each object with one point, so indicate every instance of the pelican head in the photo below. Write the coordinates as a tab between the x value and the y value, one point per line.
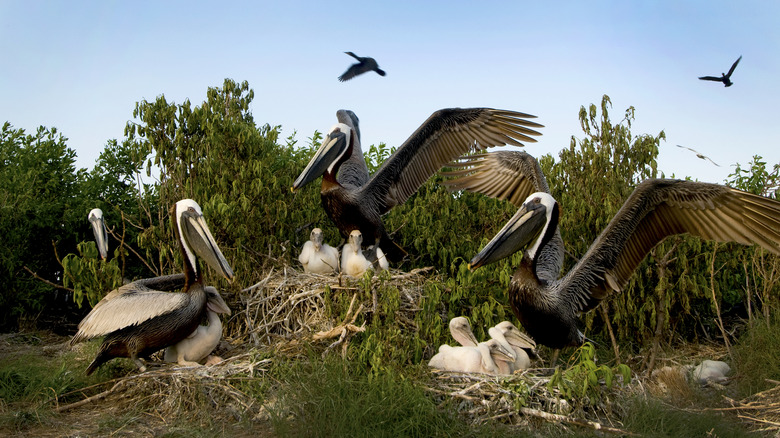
529	226
349	118
356	240
497	350
99	229
514	336
197	239
214	302
316	238
332	151
460	329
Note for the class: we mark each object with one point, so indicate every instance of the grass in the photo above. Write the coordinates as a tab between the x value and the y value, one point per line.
757	357
652	418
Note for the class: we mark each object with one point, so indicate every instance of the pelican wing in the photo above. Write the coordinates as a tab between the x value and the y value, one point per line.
129	305
659	208
354	70
733	66
446	135
506	175
711	78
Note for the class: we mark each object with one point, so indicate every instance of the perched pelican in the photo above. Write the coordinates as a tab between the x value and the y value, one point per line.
460	329
353	200
364	64
548	307
479	359
138	321
318	257
355	261
200	343
724	77
99	230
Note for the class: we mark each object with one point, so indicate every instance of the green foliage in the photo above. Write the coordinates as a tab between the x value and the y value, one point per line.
582	379
652	418
756	358
90	276
36	176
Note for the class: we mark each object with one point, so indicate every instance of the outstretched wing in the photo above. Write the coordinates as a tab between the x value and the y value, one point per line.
711	78
446	135
659	208
129	305
508	175
352	71
733	66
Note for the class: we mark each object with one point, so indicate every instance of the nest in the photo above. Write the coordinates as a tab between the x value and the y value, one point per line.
760	410
289	310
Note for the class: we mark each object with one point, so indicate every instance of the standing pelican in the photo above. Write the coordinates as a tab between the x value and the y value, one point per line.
318	257
200	343
95	218
137	321
548	307
353	200
364	64
724	77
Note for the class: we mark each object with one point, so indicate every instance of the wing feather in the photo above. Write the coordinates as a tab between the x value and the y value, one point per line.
446	135
660	208
129	305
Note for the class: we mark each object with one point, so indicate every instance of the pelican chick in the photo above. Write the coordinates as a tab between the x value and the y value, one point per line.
136	320
98	224
201	342
520	359
460	329
548	307
355	261
355	200
479	359
317	257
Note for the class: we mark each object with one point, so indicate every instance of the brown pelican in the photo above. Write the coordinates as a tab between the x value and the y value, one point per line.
318	257
95	218
353	200
699	155
200	343
479	359
364	64
548	306
724	77
355	261
460	329
136	320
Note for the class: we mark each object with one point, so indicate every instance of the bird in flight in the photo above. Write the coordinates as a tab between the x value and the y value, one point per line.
363	65
702	156
725	78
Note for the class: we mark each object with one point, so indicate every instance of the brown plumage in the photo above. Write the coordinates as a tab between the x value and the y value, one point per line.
137	320
353	200
657	208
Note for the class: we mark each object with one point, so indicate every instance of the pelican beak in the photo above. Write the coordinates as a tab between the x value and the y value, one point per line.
331	149
522	229
215	302
504	353
101	236
199	238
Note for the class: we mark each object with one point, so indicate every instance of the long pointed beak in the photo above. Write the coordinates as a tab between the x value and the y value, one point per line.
330	149
504	353
101	236
199	238
215	302
522	229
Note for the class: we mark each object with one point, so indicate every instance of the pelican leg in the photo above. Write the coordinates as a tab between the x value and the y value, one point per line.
555	355
188	363
139	363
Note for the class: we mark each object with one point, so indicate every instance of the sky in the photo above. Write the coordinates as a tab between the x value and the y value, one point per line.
81	66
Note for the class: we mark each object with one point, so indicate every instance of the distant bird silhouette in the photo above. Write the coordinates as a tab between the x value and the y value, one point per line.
365	64
725	78
702	156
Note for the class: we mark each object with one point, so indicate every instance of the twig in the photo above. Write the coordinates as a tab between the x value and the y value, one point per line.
87	400
37	277
556	418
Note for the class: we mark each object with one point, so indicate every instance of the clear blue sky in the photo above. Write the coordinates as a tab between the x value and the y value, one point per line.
81	66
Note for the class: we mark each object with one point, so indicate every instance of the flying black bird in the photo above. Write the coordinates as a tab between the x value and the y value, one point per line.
725	78
702	156
363	65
